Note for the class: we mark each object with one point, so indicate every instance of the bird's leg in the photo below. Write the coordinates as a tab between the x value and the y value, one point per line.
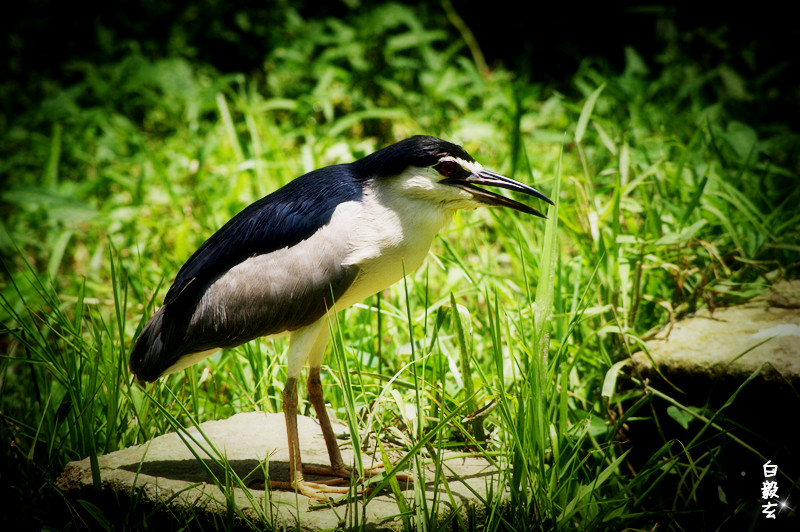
314	490
290	413
338	467
315	396
307	342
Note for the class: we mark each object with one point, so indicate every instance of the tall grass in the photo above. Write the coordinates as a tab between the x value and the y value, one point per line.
510	342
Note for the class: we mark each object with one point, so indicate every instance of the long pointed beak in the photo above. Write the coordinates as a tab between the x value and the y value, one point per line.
485	177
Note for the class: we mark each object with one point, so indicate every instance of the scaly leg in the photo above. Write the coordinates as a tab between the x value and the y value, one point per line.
314	490
308	341
315	396
309	344
338	467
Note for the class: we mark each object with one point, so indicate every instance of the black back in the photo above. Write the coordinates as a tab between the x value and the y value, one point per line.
279	220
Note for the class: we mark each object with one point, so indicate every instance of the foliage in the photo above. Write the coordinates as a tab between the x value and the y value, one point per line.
668	201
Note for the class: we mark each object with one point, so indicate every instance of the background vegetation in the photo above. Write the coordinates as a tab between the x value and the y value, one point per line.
131	134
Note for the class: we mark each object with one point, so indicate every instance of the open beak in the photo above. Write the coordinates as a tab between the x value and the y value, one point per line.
469	183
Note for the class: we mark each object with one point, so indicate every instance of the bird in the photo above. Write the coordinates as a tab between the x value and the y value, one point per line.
288	262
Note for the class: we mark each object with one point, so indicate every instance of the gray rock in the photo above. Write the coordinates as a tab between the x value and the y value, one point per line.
175	472
739	365
733	342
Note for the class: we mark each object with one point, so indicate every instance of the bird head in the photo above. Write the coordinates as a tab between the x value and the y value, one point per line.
435	170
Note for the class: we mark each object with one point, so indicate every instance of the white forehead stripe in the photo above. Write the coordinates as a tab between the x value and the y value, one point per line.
471	166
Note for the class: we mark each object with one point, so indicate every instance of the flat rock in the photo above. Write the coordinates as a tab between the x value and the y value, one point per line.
734	342
741	362
739	368
175	472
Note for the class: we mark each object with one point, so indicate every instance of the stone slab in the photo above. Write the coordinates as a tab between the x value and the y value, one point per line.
743	364
175	471
734	342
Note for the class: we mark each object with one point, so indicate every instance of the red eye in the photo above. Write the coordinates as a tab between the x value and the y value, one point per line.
447	168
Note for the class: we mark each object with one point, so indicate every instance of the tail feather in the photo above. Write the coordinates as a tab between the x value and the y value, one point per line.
150	355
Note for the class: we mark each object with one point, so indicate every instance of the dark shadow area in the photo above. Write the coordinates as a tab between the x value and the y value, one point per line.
762	417
120	502
250	471
545	41
195	470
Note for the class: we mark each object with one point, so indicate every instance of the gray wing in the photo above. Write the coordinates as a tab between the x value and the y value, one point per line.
264	272
272	293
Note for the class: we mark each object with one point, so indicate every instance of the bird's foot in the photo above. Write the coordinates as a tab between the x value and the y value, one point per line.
347	472
319	491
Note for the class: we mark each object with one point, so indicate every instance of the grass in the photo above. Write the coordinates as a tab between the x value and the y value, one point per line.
667	202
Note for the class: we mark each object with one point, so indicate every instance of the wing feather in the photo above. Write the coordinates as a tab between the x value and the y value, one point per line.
245	281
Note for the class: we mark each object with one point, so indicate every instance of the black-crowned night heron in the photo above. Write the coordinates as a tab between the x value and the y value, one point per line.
323	242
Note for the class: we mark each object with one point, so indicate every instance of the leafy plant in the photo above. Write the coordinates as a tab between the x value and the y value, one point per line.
511	343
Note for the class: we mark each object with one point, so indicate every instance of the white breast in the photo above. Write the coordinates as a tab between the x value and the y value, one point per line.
390	234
